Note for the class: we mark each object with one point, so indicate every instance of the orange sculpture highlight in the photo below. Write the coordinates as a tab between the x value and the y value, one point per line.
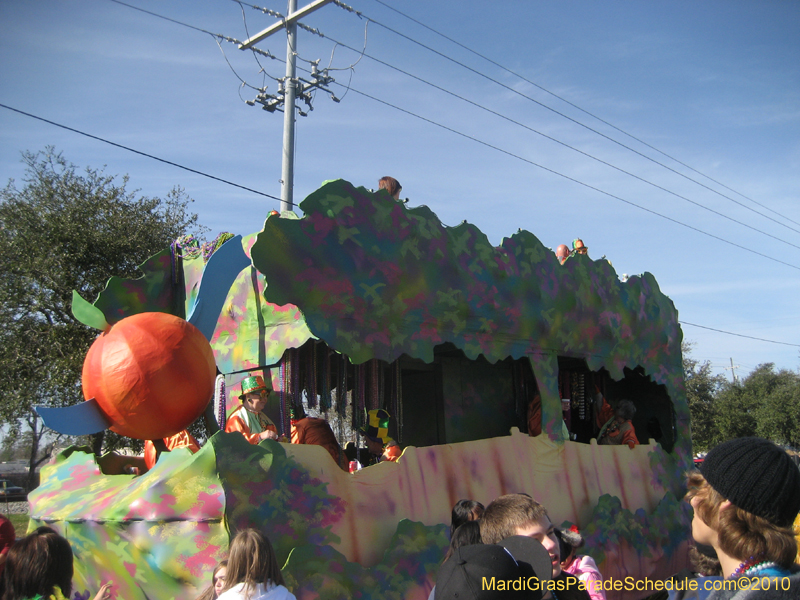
152	375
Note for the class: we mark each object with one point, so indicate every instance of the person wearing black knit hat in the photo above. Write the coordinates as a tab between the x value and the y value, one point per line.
745	499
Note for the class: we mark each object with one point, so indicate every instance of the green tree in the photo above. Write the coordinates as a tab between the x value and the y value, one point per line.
766	403
62	231
776	396
701	389
736	412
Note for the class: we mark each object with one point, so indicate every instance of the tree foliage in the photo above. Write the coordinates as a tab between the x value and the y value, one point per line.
766	403
701	389
775	403
64	230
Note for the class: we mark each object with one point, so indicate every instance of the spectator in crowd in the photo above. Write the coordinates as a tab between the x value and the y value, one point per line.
464	511
40	566
214	589
483	571
704	564
519	514
746	497
7	537
253	572
467	534
562	253
249	419
582	566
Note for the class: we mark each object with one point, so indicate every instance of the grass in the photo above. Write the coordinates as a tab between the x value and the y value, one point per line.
20	523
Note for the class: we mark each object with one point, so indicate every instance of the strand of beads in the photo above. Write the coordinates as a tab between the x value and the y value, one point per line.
767	564
752	566
744	566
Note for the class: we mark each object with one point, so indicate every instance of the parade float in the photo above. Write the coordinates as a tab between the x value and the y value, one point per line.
362	303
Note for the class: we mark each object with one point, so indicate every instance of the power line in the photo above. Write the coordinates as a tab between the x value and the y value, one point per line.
165	18
366	95
216	36
168	162
527	160
750	337
511	89
506	151
586	185
519	124
564	144
424	119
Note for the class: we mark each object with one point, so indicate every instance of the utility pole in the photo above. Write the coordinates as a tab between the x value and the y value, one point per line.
288	93
733	371
287	164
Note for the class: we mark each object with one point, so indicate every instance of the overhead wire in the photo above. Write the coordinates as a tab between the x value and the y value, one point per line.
217	37
509	153
586	185
255	56
564	144
519	93
468	137
750	337
515	122
129	149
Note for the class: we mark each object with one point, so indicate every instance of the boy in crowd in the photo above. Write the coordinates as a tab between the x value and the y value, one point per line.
746	497
519	514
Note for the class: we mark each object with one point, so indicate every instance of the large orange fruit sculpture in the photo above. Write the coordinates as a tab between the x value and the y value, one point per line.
152	375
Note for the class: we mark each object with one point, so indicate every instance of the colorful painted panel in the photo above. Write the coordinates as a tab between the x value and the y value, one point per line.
153	536
378	533
376	279
252	332
152	292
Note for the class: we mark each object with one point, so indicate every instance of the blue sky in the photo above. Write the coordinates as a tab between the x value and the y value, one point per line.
715	85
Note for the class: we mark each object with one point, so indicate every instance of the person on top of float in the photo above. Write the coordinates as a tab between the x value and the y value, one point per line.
182	439
313	430
381	447
617	428
562	253
248	419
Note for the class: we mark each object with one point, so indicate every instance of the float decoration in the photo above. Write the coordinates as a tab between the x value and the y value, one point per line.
147	377
373	279
376	279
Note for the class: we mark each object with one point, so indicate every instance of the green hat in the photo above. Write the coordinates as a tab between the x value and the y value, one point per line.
253	384
578	245
296	413
377	427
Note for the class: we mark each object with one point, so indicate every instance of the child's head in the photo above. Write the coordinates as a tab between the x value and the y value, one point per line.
569	540
37	563
251	560
463	512
218	577
467	534
745	499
